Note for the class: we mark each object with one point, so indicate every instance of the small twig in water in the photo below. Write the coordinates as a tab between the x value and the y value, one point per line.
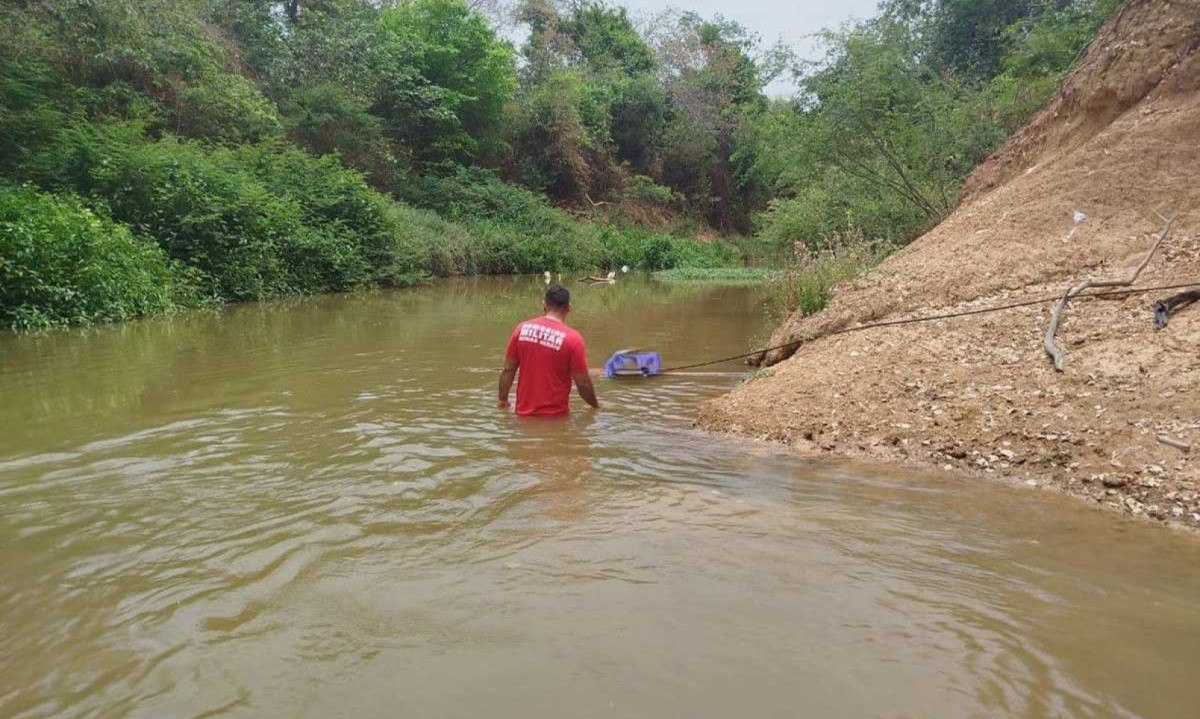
1055	353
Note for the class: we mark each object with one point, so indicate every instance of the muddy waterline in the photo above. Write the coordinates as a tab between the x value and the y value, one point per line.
313	509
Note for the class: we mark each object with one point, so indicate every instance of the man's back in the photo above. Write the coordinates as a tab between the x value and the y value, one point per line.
549	354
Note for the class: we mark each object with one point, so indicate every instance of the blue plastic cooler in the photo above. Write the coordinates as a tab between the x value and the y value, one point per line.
628	363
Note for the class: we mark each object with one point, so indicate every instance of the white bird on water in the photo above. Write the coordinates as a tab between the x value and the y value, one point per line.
624	269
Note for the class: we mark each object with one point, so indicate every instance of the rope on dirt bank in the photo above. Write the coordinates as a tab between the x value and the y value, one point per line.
932	318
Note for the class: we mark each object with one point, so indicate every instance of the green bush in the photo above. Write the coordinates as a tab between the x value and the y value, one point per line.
518	230
521	232
425	244
267	219
222	222
692	253
225	108
643	189
329	198
471	193
30	115
844	204
326	118
255	222
656	251
61	263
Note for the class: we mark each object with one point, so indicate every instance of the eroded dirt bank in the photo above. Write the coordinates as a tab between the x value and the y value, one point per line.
1119	143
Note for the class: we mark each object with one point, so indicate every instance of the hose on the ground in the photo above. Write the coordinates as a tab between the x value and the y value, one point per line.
929	318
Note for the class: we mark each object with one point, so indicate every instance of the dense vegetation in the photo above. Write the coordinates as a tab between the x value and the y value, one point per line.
167	153
885	129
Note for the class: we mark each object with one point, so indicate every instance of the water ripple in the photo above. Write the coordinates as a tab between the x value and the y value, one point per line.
334	520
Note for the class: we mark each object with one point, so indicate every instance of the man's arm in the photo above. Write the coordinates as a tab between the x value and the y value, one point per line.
583	382
581	375
507	375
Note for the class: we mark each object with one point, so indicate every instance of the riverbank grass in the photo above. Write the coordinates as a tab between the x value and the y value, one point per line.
724	275
807	283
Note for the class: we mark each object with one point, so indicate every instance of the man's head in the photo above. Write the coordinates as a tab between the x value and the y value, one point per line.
558	299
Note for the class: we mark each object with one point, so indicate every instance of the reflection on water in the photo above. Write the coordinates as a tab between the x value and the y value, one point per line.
557	457
313	509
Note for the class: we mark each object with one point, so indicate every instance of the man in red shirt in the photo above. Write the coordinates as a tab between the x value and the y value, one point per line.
549	355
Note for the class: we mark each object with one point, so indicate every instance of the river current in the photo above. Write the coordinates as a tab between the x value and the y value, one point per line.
313	508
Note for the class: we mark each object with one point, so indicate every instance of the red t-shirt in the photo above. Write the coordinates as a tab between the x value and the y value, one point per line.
548	353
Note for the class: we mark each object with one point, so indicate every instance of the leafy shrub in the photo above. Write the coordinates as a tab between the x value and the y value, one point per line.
425	244
463	193
643	189
550	134
30	117
692	253
331	199
219	221
842	205
230	214
1047	44
535	235
266	219
1041	48
656	251
658	254
61	263
225	108
462	75
524	233
326	118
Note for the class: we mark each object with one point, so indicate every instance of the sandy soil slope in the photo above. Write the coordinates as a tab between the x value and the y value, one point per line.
1120	143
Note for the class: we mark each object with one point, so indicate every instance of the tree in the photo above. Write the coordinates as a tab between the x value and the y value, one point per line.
606	39
886	129
227	108
969	38
714	86
588	100
326	118
638	117
551	139
456	75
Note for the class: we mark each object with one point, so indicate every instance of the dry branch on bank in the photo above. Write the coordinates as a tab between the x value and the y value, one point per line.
1181	446
1053	350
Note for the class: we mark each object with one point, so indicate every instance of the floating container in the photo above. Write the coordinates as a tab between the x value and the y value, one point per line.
628	363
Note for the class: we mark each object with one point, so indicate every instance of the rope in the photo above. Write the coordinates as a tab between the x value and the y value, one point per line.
929	318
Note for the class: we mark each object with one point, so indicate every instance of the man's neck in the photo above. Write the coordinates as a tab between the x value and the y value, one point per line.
556	316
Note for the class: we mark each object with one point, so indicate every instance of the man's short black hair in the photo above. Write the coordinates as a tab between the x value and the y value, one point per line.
558	297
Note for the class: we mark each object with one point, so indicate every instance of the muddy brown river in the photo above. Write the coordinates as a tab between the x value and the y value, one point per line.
312	508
